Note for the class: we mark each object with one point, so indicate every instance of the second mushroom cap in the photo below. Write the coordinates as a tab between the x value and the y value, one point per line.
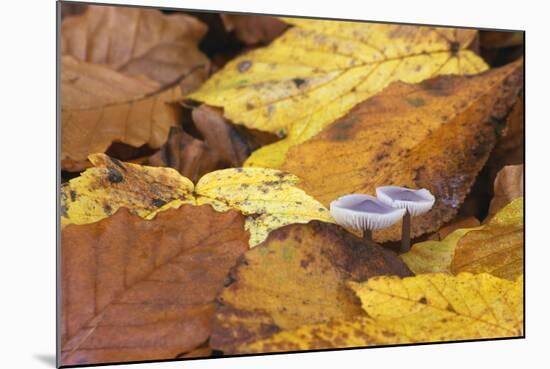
416	202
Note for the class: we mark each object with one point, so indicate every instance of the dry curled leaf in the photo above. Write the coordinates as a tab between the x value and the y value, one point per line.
508	186
269	198
296	277
253	29
435	135
495	248
318	70
100	106
144	290
138	41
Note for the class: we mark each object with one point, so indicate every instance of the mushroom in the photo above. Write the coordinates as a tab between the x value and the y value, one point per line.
365	213
416	202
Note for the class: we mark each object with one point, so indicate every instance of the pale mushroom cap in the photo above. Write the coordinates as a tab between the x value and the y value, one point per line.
416	202
364	212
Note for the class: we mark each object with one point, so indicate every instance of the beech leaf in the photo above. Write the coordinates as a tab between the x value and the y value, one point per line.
374	144
495	248
144	290
425	308
296	277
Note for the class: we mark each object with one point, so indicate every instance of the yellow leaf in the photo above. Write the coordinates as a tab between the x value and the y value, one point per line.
495	248
268	198
441	307
426	308
297	277
101	190
318	70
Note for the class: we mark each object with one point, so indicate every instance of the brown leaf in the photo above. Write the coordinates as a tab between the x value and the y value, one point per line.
222	145
297	277
100	106
254	29
508	186
435	135
144	290
188	155
509	149
138	41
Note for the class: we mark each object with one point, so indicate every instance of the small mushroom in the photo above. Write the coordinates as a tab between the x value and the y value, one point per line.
365	213
416	202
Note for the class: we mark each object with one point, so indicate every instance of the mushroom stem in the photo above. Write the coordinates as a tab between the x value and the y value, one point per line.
406	232
367	235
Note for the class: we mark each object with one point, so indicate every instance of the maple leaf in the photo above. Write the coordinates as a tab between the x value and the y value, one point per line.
318	70
296	277
144	290
269	198
495	248
375	143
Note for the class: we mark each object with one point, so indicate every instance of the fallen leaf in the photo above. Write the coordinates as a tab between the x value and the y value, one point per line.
495	248
318	70
253	29
426	308
100	106
269	198
508	186
435	135
127	65
111	184
144	290
296	277
138	41
439	307
188	155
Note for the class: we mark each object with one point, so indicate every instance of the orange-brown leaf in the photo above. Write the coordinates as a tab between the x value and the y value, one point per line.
435	135
296	277
144	290
138	41
100	106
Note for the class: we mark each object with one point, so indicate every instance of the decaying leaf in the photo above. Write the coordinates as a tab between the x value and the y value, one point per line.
253	29
137	41
269	198
508	186
425	308
111	184
100	106
318	70
144	290
495	248
296	277
435	135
